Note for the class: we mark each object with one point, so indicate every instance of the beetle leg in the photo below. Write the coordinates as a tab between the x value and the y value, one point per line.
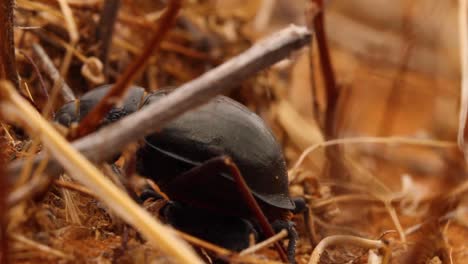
301	205
148	193
279	225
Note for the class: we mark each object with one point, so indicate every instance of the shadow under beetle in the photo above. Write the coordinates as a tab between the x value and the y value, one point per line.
185	159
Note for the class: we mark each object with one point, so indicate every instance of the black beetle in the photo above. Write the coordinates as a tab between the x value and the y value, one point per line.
207	198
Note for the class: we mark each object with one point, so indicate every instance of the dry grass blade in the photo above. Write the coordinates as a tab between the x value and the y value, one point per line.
41	247
74	187
7	47
49	68
463	38
19	110
106	28
4	193
343	240
375	140
74	37
70	22
203	244
264	243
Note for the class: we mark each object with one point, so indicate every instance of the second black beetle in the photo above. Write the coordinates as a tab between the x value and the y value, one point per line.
175	158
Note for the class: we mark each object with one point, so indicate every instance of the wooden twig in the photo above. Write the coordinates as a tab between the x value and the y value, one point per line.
74	187
49	68
39	75
432	143
7	45
92	120
41	247
222	252
28	190
335	167
105	30
5	188
463	39
265	243
310	13
327	70
57	42
110	140
72	33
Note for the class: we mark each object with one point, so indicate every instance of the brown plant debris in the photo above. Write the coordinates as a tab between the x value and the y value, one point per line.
363	96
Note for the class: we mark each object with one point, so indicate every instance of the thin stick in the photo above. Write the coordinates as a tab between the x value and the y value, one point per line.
204	244
49	68
74	187
70	22
396	221
40	247
74	37
106	29
310	13
59	43
113	138
344	198
27	190
327	70
375	140
92	120
5	189
7	45
18	109
39	75
340	240
463	38
265	243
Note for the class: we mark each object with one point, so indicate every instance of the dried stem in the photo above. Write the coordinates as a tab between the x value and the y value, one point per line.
59	43
106	29
91	121
7	45
49	68
113	138
398	83
327	70
463	38
39	75
74	187
19	110
4	193
73	34
204	244
310	13
41	247
396	221
265	243
374	140
340	240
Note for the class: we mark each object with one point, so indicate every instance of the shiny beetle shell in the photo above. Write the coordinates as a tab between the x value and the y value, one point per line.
220	127
74	111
